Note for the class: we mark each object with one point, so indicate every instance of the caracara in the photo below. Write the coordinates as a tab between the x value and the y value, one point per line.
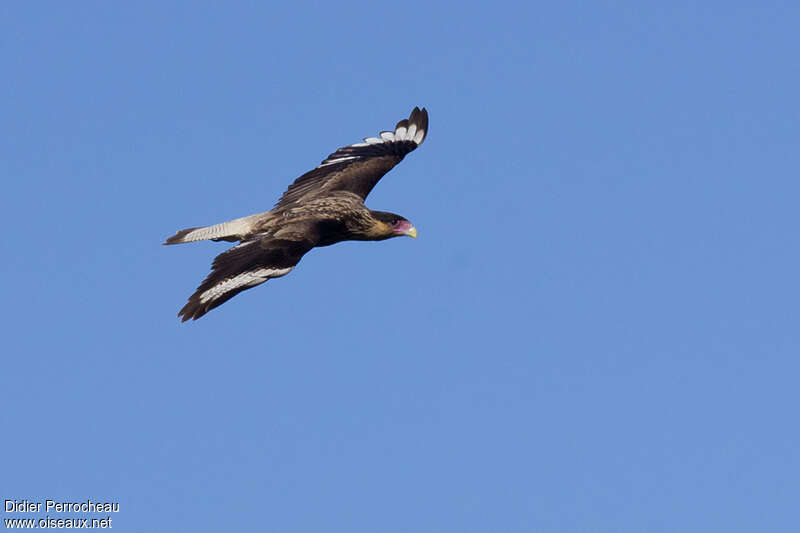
322	207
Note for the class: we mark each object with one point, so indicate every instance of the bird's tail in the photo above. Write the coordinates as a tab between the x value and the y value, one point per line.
232	230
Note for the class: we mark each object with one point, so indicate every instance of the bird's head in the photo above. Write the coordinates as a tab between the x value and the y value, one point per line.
391	225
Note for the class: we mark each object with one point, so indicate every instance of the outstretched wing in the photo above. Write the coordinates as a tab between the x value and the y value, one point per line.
358	167
250	263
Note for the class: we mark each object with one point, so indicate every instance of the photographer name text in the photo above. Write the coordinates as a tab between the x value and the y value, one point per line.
88	506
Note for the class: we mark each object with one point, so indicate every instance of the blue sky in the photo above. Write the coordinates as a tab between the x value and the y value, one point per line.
595	331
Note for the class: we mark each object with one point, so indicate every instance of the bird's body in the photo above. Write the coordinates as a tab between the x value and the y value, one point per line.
322	207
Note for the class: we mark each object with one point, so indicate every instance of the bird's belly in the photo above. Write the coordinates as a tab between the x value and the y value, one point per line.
332	231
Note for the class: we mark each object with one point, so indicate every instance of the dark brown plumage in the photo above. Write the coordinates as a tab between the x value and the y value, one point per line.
322	207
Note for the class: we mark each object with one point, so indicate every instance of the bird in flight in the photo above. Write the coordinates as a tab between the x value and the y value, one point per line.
322	207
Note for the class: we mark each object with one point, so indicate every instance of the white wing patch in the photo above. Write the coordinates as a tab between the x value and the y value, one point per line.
337	160
407	132
245	279
400	134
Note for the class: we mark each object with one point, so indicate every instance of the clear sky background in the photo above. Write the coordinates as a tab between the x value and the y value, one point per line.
597	329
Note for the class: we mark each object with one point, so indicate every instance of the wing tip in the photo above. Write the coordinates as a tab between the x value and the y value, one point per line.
414	128
193	310
196	308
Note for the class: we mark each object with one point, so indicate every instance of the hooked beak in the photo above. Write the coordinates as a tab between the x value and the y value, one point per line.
404	227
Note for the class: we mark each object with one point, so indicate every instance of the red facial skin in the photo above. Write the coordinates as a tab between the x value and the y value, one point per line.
402	227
